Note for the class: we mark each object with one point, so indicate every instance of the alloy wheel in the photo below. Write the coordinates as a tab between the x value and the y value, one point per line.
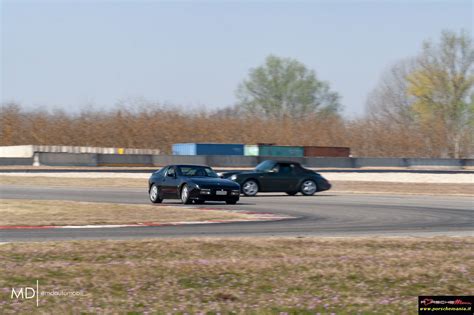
308	187
250	188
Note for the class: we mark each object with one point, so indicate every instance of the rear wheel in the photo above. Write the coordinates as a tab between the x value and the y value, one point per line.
308	187
250	188
185	194
154	194
291	193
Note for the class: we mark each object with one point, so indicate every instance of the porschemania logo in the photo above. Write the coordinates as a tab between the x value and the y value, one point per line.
427	302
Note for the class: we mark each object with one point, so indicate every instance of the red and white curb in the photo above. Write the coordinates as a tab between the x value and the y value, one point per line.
256	217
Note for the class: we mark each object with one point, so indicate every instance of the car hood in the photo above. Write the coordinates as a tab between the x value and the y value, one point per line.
212	182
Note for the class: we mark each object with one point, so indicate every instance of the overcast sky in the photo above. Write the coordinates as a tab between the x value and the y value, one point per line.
69	54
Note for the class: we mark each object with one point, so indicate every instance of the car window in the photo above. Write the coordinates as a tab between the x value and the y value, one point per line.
161	171
197	171
171	172
285	169
265	166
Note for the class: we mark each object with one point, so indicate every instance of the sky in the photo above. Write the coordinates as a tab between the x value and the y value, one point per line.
71	54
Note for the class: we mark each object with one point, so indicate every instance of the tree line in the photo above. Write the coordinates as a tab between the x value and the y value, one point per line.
422	107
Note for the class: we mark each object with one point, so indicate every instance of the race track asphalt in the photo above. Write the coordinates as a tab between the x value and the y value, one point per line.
325	214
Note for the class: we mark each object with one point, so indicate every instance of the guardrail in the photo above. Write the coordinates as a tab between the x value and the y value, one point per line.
93	159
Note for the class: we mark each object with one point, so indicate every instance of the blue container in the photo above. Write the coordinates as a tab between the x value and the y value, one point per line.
207	149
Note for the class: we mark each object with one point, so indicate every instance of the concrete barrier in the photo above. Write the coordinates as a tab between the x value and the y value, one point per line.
329	162
17	151
380	162
66	159
282	158
16	161
124	160
29	150
429	163
93	159
161	160
231	161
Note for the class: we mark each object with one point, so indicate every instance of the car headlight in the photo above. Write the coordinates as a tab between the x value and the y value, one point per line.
235	192
233	177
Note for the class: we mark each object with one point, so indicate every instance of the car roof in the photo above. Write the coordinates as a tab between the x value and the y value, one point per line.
186	165
284	161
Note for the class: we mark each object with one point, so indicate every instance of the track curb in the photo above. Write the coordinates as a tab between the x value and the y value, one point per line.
257	217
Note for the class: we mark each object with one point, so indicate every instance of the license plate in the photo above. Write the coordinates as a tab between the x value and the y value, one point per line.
221	192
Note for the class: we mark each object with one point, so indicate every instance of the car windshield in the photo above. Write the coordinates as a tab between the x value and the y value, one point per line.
197	171
265	166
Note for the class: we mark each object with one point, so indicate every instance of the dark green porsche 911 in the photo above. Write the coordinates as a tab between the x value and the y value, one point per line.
279	176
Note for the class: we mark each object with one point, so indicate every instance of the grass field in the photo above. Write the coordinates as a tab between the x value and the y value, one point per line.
245	276
50	212
338	186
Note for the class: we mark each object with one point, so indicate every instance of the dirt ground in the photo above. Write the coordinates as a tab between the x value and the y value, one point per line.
55	212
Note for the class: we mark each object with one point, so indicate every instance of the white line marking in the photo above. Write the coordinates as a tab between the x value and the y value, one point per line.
37	293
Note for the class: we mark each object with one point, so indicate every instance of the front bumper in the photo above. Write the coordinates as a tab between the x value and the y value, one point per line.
213	194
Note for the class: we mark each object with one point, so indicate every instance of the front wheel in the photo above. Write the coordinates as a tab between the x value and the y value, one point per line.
154	194
185	194
308	187
250	188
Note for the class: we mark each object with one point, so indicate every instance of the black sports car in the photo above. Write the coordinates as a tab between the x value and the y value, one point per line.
274	176
191	183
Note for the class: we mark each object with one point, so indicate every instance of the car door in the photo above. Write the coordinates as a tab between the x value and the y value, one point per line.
269	181
288	177
170	183
281	178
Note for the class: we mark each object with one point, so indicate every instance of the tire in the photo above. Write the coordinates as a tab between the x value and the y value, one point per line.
231	202
154	194
250	188
291	193
185	195
308	187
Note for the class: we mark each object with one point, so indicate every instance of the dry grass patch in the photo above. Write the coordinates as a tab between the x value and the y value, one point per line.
47	212
251	276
